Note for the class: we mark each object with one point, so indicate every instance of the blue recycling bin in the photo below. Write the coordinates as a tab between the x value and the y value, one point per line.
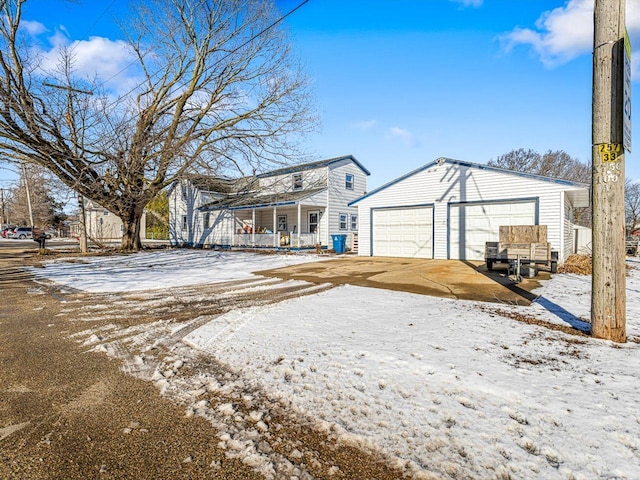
339	243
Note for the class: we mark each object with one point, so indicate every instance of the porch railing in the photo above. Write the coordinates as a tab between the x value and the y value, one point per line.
269	240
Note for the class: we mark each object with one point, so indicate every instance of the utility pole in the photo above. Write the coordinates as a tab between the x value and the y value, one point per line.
2	222
608	294
82	221
26	186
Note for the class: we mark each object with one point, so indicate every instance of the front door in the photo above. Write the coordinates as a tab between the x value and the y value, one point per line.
314	217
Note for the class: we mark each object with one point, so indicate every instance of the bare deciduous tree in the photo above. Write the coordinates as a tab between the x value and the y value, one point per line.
632	204
219	90
554	164
46	210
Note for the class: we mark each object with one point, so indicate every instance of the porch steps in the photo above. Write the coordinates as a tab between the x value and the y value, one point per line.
354	243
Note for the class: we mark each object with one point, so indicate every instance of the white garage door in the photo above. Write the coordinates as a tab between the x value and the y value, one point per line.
470	226
403	232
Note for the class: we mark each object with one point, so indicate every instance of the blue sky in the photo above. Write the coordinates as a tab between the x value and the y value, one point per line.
399	83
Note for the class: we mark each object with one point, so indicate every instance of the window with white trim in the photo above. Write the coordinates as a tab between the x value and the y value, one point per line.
348	181
296	181
184	191
343	221
354	222
206	220
184	222
282	223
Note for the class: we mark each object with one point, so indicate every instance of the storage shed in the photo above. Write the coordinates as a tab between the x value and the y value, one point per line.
448	209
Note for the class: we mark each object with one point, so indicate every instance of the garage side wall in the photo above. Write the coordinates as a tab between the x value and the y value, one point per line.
441	185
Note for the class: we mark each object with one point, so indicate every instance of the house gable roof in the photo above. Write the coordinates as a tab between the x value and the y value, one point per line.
312	165
228	186
250	200
478	166
206	183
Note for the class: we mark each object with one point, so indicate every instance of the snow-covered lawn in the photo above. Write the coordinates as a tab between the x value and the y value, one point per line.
162	269
450	386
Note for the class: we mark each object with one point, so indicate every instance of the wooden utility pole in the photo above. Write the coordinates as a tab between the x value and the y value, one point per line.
2	217
608	295
26	187
82	219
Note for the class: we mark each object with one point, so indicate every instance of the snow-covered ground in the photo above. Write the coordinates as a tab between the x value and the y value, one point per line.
453	387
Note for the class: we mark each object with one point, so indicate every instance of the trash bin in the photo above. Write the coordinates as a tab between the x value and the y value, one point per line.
339	243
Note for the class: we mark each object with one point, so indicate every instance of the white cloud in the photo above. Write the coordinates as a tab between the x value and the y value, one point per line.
406	137
469	3
364	125
565	33
33	28
98	57
560	35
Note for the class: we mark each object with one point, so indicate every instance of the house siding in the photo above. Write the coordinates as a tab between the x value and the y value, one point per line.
339	197
450	183
568	228
311	179
179	207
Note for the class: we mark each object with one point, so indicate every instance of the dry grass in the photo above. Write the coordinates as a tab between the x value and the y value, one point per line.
578	264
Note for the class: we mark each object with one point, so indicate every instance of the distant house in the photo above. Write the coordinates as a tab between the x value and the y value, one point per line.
294	207
448	209
102	225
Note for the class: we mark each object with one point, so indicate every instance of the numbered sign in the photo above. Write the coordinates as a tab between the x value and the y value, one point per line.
609	152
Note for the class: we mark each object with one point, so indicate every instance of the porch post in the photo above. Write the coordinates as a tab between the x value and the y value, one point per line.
299	229
233	230
253	227
275	228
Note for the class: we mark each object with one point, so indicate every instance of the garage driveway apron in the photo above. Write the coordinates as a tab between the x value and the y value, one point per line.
440	278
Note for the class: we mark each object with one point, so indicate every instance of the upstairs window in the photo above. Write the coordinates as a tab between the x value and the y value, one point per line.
296	181
348	181
184	191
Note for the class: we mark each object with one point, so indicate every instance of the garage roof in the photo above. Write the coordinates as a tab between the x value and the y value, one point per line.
579	198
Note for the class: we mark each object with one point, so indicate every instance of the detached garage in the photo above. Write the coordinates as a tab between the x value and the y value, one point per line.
448	209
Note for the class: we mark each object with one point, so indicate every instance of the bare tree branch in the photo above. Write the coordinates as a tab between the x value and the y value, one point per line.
219	92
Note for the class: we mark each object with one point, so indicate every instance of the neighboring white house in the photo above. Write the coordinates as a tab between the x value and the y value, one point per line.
448	209
101	224
296	207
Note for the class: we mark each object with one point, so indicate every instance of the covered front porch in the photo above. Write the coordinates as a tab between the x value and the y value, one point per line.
295	222
278	226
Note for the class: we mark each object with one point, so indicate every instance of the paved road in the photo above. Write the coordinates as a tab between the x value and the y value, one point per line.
69	413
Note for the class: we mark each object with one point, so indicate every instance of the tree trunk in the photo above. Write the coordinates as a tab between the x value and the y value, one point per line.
131	231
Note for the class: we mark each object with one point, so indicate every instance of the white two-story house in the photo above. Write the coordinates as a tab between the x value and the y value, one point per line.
300	206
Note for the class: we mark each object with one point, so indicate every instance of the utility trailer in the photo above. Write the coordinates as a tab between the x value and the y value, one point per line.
521	245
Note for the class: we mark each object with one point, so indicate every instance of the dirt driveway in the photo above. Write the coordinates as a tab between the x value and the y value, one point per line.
440	278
